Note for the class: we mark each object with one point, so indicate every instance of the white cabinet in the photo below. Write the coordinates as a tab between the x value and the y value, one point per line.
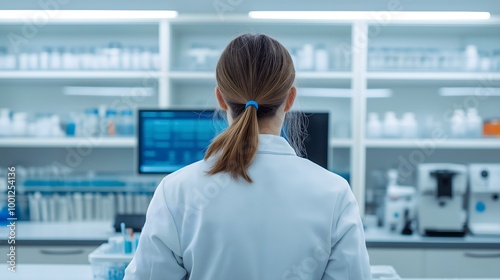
439	263
462	263
53	254
407	262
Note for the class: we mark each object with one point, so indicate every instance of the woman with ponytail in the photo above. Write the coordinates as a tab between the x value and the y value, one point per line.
252	209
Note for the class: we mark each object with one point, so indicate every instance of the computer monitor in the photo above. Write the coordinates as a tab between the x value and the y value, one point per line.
171	139
316	142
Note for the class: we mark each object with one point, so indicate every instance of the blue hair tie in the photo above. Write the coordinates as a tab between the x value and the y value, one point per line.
253	104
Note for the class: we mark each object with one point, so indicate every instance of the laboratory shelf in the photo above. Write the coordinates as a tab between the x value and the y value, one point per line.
432	76
28	75
435	143
307	78
107	189
192	75
340	143
62	142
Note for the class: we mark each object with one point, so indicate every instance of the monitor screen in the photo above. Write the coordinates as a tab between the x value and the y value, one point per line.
171	139
316	142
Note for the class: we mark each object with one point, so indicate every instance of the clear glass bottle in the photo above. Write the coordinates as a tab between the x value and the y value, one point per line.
126	126
90	123
111	122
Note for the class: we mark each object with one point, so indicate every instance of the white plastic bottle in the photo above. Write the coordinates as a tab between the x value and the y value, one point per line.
44	208
23	59
120	201
306	58
458	127
129	203
374	126
90	123
44	59
62	206
321	59
145	59
409	126
33	60
78	206
55	59
34	206
472	58
391	125
5	125
55	126
126	59
155	59
88	202
474	123
53	209
19	124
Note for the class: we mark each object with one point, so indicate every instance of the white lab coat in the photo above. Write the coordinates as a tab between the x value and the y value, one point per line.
295	221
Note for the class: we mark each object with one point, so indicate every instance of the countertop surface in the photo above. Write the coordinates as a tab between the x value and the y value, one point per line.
95	233
47	272
84	272
63	233
380	238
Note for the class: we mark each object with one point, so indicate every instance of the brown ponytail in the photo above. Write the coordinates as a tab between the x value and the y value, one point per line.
251	67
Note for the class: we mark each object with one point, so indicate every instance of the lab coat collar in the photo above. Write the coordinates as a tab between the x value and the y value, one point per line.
274	144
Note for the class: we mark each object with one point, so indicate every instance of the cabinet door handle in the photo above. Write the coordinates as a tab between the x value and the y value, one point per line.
66	252
482	256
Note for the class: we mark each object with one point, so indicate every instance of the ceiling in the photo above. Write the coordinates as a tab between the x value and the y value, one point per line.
243	6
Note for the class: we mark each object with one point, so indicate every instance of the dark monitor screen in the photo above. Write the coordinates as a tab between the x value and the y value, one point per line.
316	143
171	139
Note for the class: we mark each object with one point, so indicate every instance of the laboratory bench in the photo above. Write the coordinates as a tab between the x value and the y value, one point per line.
84	272
412	256
95	233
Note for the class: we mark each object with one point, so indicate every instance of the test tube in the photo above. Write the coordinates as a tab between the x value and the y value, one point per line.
120	198
89	207
78	206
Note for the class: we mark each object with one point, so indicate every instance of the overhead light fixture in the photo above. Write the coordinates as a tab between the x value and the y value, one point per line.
341	93
369	15
88	14
109	91
469	91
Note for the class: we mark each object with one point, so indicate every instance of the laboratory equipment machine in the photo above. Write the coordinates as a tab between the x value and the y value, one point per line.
441	194
399	205
484	199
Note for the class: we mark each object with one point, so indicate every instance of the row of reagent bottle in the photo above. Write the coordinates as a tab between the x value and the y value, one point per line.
391	127
458	125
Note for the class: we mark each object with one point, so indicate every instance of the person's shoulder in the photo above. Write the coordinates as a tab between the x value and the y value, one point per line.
184	176
322	173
